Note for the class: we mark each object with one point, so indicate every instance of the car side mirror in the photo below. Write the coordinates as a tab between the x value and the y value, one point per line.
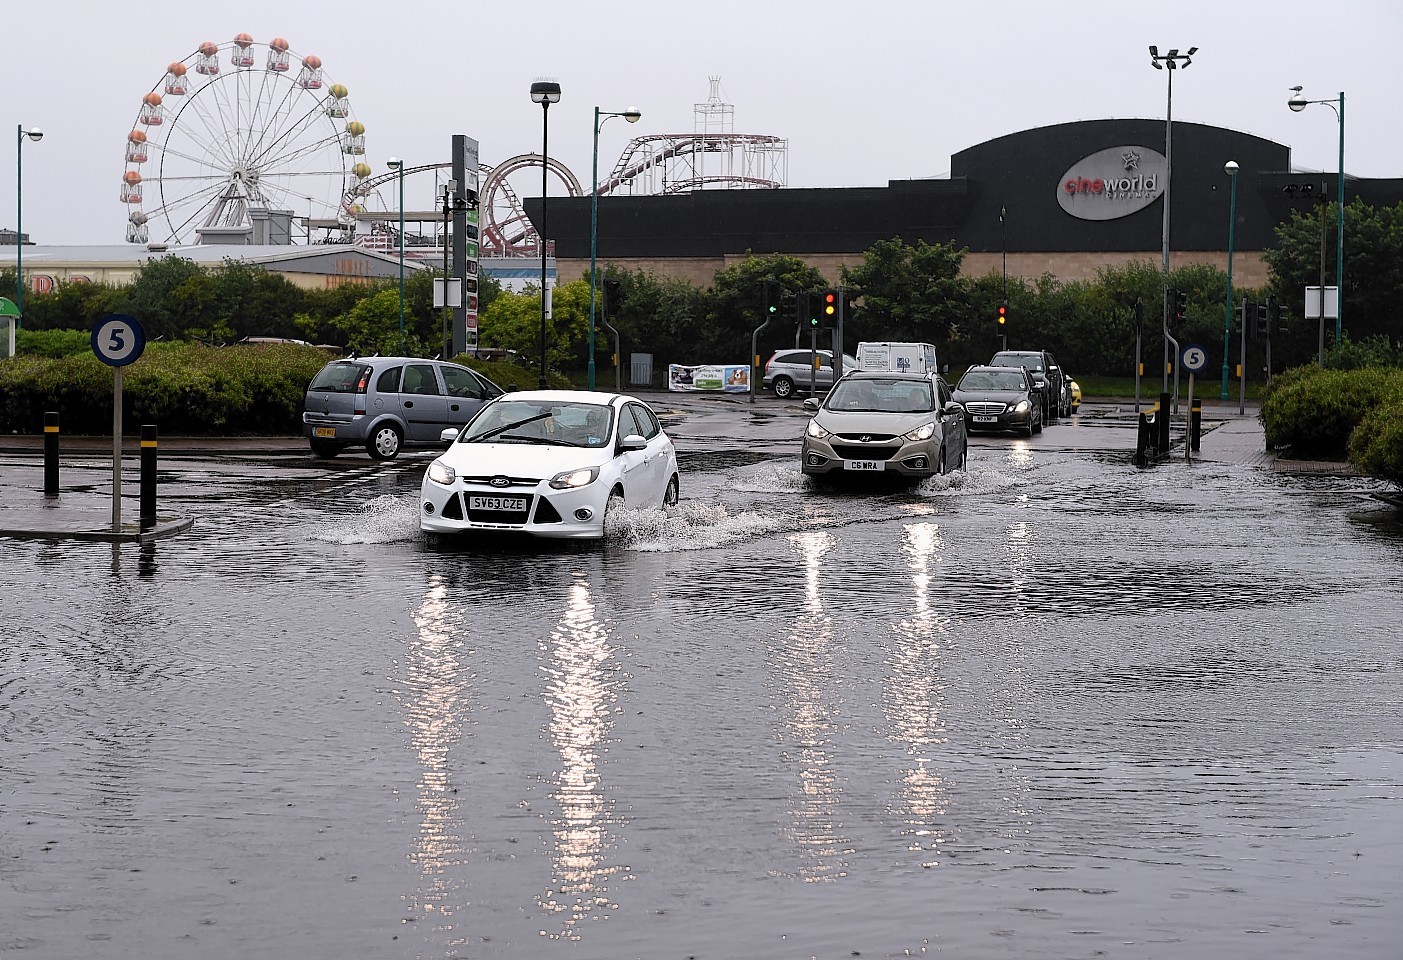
811	404
449	435
954	406
633	441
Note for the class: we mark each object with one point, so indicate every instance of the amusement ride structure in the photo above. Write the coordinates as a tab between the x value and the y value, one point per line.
238	139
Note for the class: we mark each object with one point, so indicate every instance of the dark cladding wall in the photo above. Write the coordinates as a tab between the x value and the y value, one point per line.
1021	173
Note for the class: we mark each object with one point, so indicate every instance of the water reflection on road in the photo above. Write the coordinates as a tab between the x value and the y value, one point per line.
1053	707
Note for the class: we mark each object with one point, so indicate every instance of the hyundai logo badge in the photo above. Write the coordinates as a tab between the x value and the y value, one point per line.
500	482
866	438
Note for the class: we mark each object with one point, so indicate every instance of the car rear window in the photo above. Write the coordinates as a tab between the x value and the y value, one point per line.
341	378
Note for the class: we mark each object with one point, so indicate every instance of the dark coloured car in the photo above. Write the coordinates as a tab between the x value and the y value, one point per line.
1000	399
386	403
1047	378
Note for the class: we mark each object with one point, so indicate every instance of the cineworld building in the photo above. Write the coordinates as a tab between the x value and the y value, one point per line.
1064	200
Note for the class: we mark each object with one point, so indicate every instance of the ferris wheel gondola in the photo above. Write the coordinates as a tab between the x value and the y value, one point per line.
236	142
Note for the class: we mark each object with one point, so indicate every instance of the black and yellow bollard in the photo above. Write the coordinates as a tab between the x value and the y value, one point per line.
1195	423
148	476
51	454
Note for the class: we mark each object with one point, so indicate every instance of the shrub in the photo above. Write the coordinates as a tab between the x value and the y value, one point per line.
1314	411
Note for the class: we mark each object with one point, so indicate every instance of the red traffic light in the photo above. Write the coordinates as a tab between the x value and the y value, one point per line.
1003	313
830	303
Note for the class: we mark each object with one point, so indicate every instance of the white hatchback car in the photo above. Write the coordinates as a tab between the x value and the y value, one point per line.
549	463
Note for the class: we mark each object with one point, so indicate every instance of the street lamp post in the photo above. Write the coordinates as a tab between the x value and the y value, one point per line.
34	133
544	92
1299	103
395	163
1230	168
631	115
1170	61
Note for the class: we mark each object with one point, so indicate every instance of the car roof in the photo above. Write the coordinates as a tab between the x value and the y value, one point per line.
567	396
888	375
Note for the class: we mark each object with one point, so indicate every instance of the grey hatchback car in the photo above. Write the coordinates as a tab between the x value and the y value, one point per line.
385	403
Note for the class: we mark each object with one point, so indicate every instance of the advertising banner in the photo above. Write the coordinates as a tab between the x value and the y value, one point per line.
730	377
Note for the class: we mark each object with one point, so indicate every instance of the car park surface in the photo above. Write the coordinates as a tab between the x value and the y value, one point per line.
998	399
550	463
387	403
877	422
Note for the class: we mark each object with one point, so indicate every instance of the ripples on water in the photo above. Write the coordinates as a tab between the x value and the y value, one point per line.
1049	707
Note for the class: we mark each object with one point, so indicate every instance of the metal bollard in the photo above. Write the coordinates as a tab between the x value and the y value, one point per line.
51	454
1162	419
1195	424
148	476
1142	440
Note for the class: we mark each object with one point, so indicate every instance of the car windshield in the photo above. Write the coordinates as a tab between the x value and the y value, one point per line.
1026	362
341	378
564	424
884	396
991	380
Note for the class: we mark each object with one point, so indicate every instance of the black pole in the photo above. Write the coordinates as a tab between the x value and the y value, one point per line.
545	168
1162	422
1142	439
148	476
51	454
1195	423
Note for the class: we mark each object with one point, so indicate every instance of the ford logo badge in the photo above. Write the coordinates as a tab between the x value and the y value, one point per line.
500	482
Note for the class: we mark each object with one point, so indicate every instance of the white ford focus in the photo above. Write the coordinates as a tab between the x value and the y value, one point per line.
549	463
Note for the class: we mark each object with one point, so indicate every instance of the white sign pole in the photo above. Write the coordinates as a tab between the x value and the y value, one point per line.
116	449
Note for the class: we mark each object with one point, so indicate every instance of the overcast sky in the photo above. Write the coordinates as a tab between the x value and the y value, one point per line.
864	92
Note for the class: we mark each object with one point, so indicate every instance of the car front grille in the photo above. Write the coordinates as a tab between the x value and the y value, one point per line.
486	481
985	408
864	451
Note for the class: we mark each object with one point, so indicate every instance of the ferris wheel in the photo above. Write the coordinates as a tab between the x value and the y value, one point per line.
236	143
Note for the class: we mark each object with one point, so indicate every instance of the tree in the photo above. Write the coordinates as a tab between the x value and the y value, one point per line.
911	292
174	298
735	306
1373	273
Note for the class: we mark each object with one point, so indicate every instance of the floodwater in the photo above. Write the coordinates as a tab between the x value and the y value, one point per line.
1056	707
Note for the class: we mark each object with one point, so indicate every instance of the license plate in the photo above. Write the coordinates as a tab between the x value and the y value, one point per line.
878	465
505	504
324	432
979	419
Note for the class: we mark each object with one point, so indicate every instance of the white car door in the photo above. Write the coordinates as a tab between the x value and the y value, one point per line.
643	477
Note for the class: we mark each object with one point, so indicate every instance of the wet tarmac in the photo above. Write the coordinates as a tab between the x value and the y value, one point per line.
1056	706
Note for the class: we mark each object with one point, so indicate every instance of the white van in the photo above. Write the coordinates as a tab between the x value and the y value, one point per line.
901	357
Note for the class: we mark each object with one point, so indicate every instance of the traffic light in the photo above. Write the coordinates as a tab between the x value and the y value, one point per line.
611	298
1282	322
1181	304
1241	315
828	306
1262	328
1002	314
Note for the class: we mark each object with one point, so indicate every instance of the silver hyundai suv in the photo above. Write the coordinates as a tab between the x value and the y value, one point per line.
384	403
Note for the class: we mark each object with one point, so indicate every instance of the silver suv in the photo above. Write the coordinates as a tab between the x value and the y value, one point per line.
790	369
383	403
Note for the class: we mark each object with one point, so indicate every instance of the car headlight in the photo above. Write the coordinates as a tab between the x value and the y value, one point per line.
1022	406
815	429
570	479
924	432
440	472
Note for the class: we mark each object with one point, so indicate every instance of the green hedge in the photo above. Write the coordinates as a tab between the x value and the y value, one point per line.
182	388
1339	414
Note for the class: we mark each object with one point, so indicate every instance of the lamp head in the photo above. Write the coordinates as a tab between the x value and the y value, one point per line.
34	133
394	163
632	114
1297	102
545	92
1230	168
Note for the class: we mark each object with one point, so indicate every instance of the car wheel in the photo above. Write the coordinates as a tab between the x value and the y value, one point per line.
326	449
783	387
670	495
1038	428
384	442
1028	430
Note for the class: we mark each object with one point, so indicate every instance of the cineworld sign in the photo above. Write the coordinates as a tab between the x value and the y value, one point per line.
1111	183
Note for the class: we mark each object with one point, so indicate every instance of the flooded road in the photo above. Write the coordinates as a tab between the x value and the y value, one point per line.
1055	707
